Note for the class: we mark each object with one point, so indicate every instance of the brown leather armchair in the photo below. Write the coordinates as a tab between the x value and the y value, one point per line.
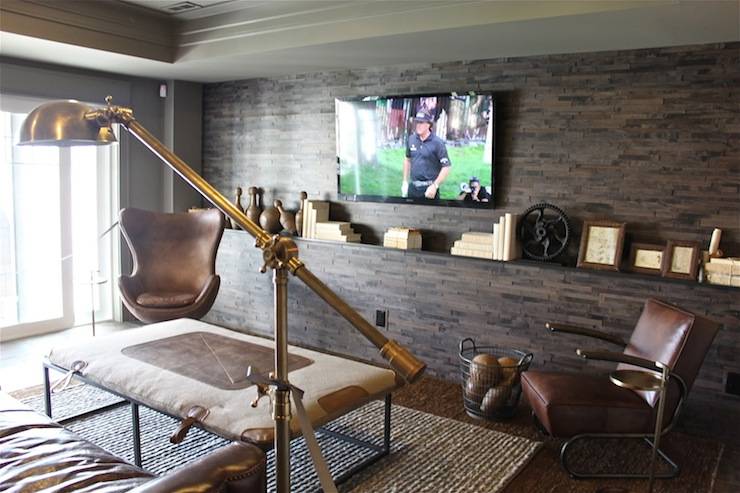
174	274
588	406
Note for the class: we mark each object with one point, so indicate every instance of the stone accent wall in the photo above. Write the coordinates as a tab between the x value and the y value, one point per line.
435	300
649	137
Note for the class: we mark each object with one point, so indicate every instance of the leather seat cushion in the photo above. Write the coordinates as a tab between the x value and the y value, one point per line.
41	456
569	404
165	299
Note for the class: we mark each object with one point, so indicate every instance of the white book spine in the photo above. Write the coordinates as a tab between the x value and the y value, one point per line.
510	237
507	238
496	234
304	219
312	222
501	233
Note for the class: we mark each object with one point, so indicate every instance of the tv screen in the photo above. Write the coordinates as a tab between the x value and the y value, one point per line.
424	149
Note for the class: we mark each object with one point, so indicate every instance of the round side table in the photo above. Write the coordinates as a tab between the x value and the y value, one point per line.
649	381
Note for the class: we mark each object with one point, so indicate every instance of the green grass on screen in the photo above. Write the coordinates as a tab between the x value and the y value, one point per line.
385	178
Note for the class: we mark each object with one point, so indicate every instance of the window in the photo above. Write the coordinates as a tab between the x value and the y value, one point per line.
56	263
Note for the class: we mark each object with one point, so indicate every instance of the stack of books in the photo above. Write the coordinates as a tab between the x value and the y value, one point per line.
403	238
474	245
501	245
723	271
335	231
505	244
314	211
316	224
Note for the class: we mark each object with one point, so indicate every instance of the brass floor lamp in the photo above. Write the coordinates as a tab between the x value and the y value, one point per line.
70	123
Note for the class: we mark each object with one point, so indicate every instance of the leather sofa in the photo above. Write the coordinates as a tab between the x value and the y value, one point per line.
38	455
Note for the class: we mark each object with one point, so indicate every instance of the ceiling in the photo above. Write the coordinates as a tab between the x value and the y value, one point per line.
190	9
238	39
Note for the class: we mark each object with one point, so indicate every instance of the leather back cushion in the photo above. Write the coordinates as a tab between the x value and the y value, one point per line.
38	455
672	336
173	252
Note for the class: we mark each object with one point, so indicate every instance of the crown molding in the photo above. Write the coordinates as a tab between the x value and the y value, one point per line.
105	25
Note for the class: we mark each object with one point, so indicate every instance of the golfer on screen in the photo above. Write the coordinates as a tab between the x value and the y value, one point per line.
426	165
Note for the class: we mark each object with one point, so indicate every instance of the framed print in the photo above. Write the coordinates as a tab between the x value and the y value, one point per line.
646	258
681	260
601	245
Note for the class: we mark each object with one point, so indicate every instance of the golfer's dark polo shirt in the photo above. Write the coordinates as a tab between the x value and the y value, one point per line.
428	157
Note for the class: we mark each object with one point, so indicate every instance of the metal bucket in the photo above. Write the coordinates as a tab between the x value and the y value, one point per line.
491	379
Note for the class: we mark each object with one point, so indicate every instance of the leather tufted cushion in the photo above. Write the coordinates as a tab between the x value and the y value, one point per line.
165	300
569	404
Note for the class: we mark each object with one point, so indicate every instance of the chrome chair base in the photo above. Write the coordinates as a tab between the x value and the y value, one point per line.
648	438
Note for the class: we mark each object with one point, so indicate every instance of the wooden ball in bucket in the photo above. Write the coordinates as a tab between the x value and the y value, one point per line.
485	371
474	392
509	368
495	398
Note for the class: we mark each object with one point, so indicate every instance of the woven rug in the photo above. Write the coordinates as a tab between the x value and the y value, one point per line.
430	454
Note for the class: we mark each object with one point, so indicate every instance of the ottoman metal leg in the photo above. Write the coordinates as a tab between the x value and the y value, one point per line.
136	433
47	392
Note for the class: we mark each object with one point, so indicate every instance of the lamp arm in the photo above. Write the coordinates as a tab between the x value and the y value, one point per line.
400	359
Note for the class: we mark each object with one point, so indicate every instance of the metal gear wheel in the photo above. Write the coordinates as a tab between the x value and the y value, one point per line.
544	231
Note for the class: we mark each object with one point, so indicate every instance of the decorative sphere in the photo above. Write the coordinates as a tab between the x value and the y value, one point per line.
509	367
495	398
485	370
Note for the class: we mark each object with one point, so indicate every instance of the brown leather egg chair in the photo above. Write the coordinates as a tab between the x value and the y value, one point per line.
174	274
581	406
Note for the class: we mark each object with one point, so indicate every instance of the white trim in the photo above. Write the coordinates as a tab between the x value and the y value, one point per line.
31	329
65	222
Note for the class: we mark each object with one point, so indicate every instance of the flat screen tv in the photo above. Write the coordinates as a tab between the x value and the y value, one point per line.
434	149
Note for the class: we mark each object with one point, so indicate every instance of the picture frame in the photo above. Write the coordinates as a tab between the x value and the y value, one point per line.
602	244
681	260
646	258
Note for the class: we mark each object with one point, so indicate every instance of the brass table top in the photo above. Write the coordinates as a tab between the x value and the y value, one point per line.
636	379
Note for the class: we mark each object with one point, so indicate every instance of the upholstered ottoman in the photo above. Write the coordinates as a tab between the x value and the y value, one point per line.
197	373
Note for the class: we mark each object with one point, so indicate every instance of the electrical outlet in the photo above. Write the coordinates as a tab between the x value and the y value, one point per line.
381	318
732	384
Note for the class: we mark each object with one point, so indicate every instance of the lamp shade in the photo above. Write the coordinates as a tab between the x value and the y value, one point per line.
64	124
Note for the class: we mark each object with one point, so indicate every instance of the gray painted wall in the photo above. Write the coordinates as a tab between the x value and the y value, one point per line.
183	134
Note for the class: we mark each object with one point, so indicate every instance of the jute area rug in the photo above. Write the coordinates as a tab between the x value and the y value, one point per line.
430	454
698	456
